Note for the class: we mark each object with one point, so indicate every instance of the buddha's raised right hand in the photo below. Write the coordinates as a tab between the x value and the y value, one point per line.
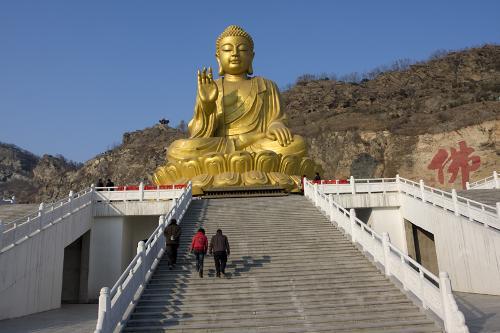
207	89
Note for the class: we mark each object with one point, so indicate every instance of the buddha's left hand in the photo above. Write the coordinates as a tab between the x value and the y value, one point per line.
282	134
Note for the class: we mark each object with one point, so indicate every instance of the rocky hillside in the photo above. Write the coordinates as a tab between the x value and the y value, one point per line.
28	176
379	127
438	121
33	179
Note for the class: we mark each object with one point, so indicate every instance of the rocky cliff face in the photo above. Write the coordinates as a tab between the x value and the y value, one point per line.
437	121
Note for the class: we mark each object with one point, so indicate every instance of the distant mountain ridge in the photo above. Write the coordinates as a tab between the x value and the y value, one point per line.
394	123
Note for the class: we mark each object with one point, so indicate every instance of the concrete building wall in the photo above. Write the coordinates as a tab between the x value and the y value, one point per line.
468	251
389	220
31	272
132	208
367	200
113	244
105	262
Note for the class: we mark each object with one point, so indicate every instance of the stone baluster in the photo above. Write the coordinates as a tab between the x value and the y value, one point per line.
141	191
387	251
455	201
422	190
104	310
352	218
2	228
141	250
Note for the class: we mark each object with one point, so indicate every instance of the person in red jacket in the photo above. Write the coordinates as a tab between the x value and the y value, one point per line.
199	245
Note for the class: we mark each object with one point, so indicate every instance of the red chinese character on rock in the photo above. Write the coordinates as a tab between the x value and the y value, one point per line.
459	162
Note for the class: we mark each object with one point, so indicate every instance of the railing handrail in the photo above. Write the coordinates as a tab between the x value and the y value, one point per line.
377	235
113	303
18	231
444	305
479	206
45	207
489	179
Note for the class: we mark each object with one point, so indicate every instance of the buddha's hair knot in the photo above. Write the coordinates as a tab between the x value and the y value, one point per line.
233	30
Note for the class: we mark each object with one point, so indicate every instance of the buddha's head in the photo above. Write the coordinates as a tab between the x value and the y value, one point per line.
234	51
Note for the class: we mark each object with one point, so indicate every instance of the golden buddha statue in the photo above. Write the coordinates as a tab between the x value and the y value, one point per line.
238	134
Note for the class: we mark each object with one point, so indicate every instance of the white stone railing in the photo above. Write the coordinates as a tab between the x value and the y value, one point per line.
115	304
491	182
470	209
139	193
9	201
21	229
434	293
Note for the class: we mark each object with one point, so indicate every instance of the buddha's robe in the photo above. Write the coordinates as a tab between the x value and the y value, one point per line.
237	122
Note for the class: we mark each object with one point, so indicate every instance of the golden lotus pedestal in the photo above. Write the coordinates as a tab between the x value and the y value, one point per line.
239	169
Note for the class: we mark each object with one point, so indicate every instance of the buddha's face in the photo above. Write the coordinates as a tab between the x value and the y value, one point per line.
235	55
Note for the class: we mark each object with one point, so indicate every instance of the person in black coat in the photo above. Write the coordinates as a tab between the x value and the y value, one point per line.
172	237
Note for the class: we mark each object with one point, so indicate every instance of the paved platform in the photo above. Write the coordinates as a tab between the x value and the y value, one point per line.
482	312
74	318
13	211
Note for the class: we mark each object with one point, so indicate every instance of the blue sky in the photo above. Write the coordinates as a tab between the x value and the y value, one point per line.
76	75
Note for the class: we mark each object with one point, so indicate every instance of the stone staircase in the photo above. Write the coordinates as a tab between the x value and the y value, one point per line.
290	270
485	196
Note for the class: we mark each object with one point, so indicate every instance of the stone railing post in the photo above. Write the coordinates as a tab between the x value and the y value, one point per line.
386	253
467	185
330	206
422	190
353	187
498	209
453	318
316	194
398	183
352	219
455	201
141	250
141	191
161	236
41	214
496	180
92	192
2	228
104	309
445	287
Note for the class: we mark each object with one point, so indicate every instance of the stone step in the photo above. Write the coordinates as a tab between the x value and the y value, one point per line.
307	252
303	278
389	297
271	318
335	306
192	277
159	289
280	268
240	257
420	328
332	322
319	292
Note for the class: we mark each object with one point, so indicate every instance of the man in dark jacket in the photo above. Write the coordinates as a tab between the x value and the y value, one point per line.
172	235
219	246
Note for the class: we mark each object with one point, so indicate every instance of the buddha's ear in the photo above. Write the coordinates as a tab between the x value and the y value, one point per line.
221	70
250	68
